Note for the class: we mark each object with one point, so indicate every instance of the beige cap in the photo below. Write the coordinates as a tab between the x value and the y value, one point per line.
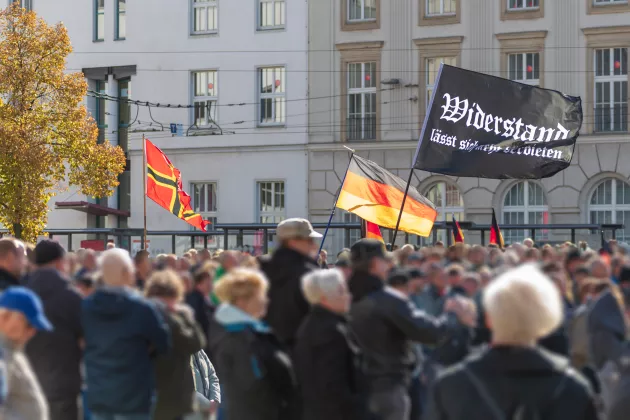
296	229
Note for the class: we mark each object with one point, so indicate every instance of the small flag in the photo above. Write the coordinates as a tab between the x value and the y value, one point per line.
371	231
458	235
605	250
495	233
164	186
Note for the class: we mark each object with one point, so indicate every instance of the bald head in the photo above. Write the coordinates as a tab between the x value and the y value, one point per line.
117	268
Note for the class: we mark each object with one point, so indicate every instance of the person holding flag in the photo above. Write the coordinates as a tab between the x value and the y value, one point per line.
496	237
458	235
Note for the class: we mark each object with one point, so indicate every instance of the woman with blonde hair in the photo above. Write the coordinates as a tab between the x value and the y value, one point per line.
257	381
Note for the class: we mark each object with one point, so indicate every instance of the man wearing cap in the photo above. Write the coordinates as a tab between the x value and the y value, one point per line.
385	324
296	255
21	315
56	356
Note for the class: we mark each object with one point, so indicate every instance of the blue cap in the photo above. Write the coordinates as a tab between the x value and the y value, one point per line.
20	299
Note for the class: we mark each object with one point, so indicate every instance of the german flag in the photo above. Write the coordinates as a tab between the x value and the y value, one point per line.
371	231
458	235
375	195
605	251
164	186
495	233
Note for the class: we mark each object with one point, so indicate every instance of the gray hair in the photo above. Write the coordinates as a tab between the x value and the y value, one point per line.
523	305
115	265
321	284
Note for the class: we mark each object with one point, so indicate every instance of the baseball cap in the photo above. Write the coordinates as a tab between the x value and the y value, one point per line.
48	251
398	277
20	299
366	249
296	229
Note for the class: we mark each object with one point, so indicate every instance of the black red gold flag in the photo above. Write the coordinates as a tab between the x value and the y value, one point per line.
164	187
458	234
496	237
371	231
376	195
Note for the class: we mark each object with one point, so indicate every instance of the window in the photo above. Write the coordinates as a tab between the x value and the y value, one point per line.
610	203
271	208
204	200
522	9
121	19
27	4
441	7
432	67
99	20
361	123
439	12
205	97
271	14
205	16
525	204
524	68
611	90
607	2
448	202
361	10
272	85
607	6
124	113
100	111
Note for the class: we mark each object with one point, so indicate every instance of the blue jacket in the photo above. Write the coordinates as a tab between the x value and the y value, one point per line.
121	330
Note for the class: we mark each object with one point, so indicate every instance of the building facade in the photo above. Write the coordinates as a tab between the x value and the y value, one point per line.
372	65
219	86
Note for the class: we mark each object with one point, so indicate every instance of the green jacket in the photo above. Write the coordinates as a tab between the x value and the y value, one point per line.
217	275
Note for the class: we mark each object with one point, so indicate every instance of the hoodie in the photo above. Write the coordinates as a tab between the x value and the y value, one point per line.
122	331
56	355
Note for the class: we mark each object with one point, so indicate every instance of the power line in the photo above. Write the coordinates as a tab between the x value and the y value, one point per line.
492	72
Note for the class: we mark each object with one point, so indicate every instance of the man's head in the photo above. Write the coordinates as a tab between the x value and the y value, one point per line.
52	255
417	280
528	243
399	279
87	259
477	255
117	268
203	277
328	289
229	260
369	256
599	269
471	283
454	273
204	255
436	276
142	262
573	260
21	315
343	264
13	256
298	235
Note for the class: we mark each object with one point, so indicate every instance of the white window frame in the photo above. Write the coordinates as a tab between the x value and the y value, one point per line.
275	26
445	212
272	95
611	81
430	85
613	208
213	99
211	216
280	214
441	12
363	92
526	208
362	18
608	2
204	5
531	82
524	7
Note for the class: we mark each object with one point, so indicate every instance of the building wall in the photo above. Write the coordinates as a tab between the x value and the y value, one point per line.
159	43
401	44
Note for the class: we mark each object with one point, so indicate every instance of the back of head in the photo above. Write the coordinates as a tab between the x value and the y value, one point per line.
116	267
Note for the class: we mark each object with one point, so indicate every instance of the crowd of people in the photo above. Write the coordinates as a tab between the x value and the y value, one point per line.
438	333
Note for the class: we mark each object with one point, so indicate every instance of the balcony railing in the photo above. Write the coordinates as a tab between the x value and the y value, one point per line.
358	128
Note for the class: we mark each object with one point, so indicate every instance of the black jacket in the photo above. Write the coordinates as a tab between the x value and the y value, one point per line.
174	380
512	377
287	306
56	355
203	310
385	327
325	368
7	280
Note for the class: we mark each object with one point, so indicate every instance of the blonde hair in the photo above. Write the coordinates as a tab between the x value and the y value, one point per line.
240	283
165	284
523	305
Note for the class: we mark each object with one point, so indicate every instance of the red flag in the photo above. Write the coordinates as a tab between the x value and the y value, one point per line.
458	235
370	230
495	233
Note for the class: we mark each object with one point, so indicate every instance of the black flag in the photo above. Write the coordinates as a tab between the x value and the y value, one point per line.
487	127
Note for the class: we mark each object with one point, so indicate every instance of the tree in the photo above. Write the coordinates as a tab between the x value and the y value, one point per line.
47	138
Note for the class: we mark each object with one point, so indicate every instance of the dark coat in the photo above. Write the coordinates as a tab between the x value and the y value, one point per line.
287	306
385	327
174	381
257	380
121	329
7	280
202	309
325	368
512	376
56	355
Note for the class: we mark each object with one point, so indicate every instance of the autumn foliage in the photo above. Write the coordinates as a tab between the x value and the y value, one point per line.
47	138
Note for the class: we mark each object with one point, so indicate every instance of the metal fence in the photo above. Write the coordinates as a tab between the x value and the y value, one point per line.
258	238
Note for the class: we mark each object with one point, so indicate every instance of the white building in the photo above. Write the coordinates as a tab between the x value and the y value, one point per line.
240	65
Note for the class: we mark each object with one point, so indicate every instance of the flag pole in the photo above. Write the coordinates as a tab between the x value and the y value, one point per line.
332	213
144	187
402	207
